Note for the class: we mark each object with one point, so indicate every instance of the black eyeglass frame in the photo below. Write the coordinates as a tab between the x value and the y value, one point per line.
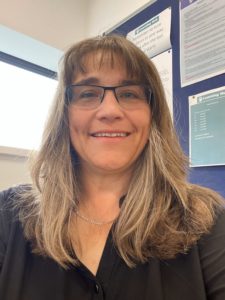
148	91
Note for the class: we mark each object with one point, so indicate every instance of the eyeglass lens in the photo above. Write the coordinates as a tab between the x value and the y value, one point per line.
89	96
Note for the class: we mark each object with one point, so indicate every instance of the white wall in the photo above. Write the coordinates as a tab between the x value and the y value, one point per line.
104	15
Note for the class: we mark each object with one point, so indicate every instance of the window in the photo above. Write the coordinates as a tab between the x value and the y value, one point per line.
25	98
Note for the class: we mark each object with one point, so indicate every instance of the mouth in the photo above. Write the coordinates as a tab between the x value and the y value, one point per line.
110	134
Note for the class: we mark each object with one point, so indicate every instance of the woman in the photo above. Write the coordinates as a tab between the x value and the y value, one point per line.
110	214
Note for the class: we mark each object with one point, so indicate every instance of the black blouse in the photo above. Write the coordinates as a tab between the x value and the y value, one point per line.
198	275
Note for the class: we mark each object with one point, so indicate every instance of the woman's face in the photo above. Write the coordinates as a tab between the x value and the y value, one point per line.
109	138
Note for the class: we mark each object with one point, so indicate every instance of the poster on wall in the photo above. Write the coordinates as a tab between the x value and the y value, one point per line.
163	63
207	128
202	40
153	37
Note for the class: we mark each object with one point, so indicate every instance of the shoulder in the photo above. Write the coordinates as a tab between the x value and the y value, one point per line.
12	192
8	207
212	258
213	243
9	196
7	216
201	271
217	231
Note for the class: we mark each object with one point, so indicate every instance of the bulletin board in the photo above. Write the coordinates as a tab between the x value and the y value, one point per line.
210	176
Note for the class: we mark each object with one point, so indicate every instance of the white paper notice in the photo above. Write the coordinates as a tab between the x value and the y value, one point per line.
207	128
202	39
163	63
153	37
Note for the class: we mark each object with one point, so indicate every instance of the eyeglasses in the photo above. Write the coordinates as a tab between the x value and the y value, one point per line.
91	96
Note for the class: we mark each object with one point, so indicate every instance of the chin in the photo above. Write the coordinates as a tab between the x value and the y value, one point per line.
113	166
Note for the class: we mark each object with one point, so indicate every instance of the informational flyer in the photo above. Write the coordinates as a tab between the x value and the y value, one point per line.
163	63
207	128
202	39
153	37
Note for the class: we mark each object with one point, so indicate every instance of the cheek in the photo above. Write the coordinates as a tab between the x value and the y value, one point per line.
144	122
75	125
76	121
146	127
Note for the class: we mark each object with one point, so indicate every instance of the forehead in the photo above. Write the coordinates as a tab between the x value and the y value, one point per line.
99	62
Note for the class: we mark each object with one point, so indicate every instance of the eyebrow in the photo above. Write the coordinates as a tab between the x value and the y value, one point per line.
89	80
96	81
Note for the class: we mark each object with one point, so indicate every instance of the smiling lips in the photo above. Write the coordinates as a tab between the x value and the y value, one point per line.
110	134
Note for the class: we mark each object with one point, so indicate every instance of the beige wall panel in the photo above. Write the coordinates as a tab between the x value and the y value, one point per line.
13	171
54	22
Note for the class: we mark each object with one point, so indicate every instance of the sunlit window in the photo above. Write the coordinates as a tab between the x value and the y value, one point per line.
25	98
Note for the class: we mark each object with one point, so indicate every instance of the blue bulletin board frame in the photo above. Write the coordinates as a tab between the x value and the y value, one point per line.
213	176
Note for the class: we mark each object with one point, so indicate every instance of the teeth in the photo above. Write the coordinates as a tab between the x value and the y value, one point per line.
107	134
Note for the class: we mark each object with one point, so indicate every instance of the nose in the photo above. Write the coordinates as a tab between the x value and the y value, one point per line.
109	108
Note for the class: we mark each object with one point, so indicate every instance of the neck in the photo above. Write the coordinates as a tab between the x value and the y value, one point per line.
101	194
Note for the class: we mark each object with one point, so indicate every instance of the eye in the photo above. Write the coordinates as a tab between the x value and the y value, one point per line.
88	94
127	94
